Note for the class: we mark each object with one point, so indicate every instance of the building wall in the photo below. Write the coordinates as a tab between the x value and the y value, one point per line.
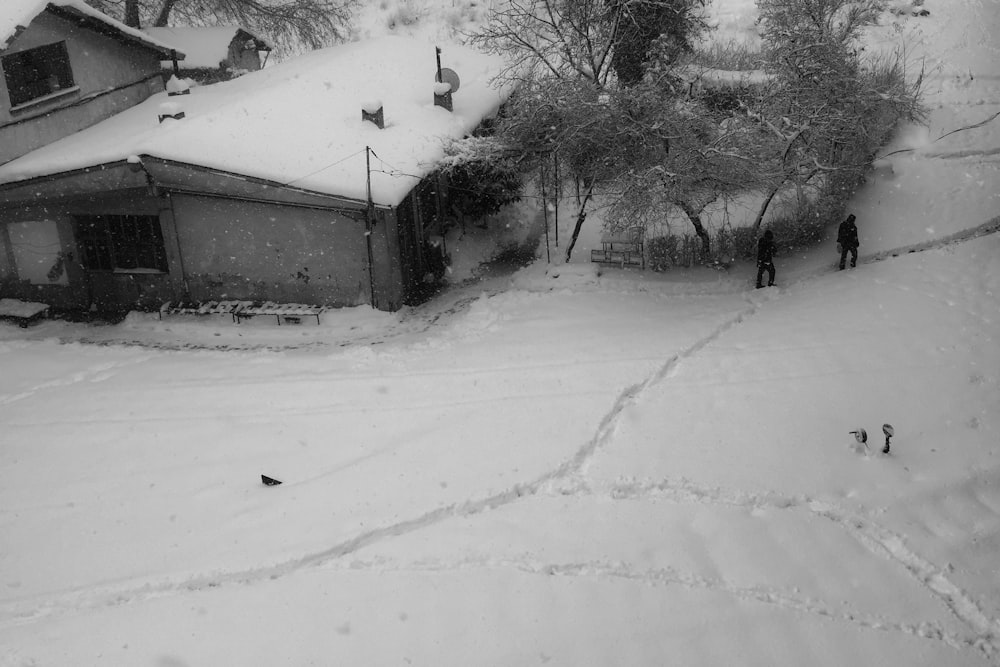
110	76
234	249
217	249
42	259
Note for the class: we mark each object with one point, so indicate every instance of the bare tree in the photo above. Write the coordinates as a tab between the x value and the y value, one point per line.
553	38
314	23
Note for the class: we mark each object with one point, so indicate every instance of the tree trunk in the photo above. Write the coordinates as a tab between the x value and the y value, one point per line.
767	202
131	18
763	209
163	17
699	229
580	217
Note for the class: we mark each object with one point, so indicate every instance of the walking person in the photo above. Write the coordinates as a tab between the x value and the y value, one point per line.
765	258
847	241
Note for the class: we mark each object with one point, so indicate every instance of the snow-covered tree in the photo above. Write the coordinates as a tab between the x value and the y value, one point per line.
667	27
828	107
572	102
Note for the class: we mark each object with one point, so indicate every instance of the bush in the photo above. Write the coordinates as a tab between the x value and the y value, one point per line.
661	252
665	252
803	224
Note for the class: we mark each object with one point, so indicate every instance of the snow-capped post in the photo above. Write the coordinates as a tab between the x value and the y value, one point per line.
370	223
372	111
173	59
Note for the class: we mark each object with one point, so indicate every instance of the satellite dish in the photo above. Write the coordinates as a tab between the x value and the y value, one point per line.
446	75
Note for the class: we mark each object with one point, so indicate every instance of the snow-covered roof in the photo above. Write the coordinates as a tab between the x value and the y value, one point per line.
299	122
15	14
205	47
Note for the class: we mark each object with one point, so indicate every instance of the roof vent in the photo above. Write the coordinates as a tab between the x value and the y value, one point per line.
372	111
170	110
442	95
177	86
446	82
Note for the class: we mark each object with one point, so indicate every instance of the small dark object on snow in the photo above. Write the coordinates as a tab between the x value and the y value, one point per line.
889	432
861	436
269	481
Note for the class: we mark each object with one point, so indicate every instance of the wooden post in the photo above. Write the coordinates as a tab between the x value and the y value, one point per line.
545	215
369	224
558	186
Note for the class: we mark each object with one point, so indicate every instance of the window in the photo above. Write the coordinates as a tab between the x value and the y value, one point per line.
121	243
36	73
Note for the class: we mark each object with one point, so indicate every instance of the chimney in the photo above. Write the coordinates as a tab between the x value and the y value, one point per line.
372	111
176	86
442	86
442	95
170	110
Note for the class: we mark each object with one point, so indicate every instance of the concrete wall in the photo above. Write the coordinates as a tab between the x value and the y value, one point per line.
235	249
217	248
99	63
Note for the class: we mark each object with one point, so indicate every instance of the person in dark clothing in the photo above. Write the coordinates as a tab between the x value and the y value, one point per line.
847	241
765	258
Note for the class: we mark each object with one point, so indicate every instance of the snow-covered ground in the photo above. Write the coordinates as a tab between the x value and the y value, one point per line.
562	467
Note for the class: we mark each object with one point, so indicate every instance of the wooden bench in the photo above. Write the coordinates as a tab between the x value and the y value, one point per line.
202	308
621	249
287	313
290	313
22	312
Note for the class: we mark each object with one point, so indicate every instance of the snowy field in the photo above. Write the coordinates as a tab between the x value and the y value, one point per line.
561	467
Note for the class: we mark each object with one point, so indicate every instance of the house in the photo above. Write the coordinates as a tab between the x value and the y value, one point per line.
65	67
212	53
310	181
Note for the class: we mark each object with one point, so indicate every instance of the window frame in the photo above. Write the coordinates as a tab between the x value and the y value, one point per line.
121	243
38	74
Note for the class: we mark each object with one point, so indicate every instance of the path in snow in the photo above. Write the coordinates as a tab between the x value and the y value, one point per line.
568	477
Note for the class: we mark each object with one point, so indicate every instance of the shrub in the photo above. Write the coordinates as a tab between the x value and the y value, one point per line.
661	252
686	250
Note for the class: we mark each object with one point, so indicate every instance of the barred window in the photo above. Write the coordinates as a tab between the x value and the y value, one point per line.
121	242
35	73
